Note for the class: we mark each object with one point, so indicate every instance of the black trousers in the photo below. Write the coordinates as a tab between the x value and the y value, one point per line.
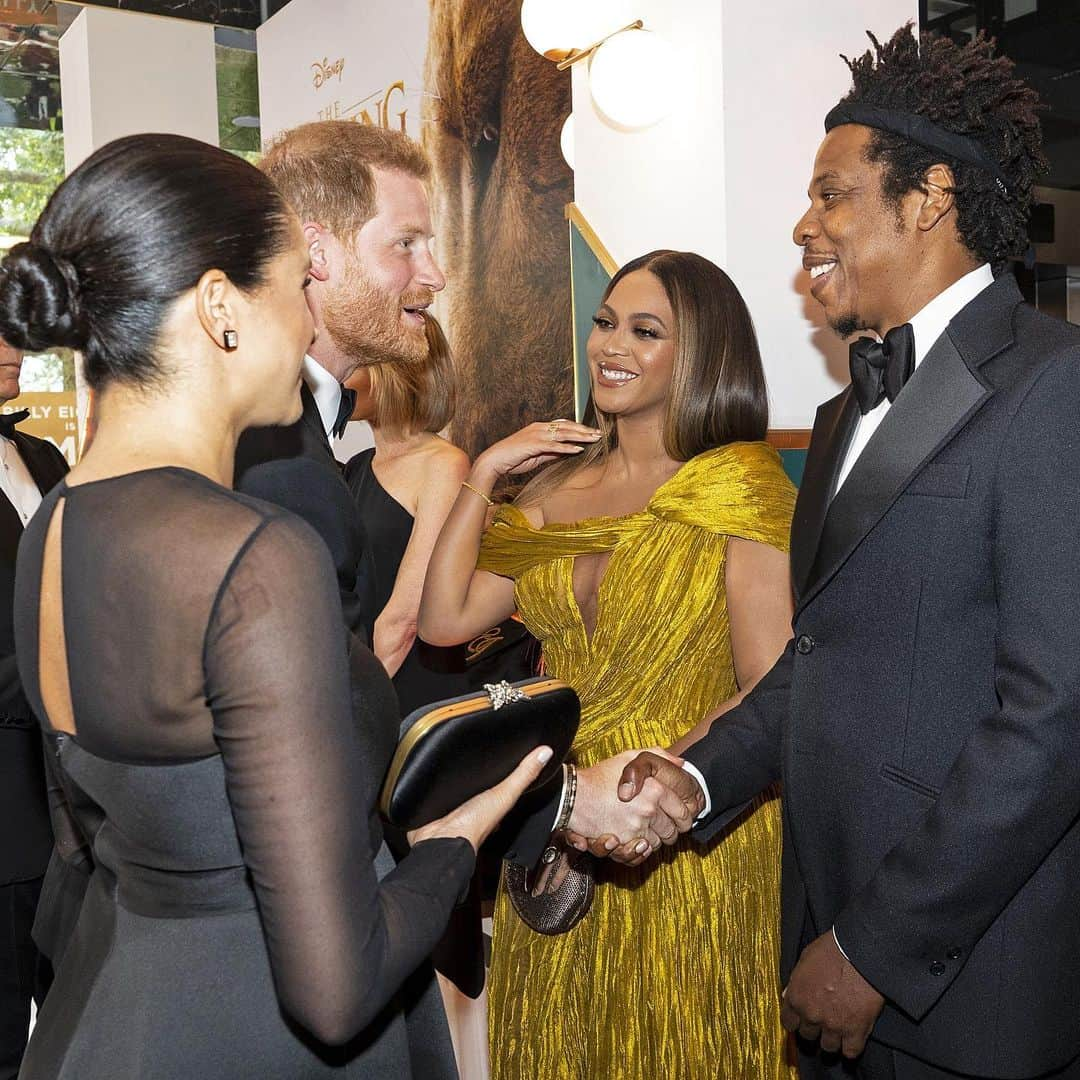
24	973
880	1062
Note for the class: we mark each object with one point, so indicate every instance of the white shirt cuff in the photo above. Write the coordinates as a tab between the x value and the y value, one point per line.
696	774
839	946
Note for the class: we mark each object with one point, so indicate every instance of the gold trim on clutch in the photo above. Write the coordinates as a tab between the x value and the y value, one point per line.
439	716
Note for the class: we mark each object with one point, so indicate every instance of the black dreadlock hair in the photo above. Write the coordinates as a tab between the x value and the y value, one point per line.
968	90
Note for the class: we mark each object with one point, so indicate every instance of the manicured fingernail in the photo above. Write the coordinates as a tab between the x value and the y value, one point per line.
610	844
543	755
625	788
642	847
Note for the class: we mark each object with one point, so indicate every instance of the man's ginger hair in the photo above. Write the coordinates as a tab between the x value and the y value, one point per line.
325	170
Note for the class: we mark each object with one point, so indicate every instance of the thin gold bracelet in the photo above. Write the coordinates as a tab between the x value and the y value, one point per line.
477	491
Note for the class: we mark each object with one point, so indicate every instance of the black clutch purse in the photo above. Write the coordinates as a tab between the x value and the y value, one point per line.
452	750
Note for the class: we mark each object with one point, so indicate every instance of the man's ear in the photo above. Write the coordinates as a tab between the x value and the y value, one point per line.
938	200
315	238
215	306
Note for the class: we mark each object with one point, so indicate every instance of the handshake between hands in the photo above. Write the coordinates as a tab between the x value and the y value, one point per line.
629	805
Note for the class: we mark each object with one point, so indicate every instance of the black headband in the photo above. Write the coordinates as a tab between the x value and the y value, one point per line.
918	129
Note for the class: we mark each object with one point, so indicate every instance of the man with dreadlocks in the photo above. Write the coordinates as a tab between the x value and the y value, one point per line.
925	718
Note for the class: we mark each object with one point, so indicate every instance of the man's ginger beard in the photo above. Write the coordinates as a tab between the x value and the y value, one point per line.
366	323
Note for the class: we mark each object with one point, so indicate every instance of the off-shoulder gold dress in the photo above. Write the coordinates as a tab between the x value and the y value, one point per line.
673	973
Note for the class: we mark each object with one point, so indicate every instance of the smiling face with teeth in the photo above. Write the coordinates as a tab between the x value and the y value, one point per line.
631	349
862	252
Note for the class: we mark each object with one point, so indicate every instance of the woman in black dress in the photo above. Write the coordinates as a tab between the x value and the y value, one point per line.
180	644
404	486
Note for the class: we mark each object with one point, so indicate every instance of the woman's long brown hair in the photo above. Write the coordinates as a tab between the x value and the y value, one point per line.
718	392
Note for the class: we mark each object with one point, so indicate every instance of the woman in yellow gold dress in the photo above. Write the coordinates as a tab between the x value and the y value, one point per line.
652	566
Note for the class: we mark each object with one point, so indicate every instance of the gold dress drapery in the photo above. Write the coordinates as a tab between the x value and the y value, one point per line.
673	973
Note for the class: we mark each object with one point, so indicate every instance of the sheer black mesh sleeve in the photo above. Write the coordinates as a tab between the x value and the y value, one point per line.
277	682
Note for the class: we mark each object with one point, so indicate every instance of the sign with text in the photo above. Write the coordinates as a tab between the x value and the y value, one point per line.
339	60
52	417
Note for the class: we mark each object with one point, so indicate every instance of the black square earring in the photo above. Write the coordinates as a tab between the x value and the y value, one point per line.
231	339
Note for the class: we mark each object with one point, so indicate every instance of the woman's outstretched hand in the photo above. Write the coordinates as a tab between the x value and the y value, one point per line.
532	447
476	819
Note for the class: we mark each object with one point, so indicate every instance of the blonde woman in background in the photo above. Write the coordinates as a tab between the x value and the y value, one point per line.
405	486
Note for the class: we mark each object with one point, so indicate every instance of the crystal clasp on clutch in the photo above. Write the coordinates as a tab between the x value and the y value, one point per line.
502	693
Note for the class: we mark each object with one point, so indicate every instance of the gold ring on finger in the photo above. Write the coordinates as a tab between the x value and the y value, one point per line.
553	430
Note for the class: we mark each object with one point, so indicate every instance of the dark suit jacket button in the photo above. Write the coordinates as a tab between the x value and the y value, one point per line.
937	968
804	644
954	953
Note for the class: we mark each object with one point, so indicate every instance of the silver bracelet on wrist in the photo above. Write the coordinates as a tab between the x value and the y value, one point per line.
569	796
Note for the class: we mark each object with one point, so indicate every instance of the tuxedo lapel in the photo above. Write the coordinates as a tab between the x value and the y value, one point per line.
46	467
940	398
42	464
11	529
833	428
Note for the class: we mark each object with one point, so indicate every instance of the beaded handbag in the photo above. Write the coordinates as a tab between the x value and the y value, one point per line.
558	910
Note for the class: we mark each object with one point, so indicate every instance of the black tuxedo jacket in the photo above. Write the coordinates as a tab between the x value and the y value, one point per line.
25	837
925	717
294	467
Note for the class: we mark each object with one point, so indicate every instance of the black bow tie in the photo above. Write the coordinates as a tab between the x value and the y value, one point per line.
9	420
879	369
345	411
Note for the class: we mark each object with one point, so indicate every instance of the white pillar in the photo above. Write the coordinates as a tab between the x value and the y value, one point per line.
123	73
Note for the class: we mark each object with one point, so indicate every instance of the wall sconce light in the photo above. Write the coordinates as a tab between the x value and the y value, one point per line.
566	141
630	77
557	29
630	68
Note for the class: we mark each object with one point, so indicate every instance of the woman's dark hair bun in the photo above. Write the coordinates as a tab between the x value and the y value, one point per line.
39	300
132	229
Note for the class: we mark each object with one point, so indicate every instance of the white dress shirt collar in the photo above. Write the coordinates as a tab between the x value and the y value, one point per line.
326	391
16	482
929	324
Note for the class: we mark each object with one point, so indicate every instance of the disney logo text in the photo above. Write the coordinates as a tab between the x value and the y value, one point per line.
325	71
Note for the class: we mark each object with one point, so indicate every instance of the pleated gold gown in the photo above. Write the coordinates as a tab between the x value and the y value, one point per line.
673	973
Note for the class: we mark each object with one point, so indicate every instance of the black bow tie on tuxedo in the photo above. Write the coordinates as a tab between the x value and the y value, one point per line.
8	422
345	411
879	369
